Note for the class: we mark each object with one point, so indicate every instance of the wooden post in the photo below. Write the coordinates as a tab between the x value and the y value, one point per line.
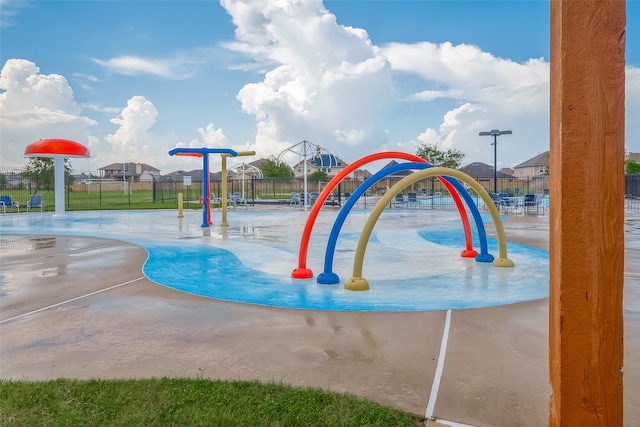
587	212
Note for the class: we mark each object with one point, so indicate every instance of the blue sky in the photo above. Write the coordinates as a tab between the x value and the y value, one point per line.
133	79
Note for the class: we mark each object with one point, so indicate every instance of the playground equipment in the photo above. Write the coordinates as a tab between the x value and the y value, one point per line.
358	283
58	149
305	150
246	170
224	199
302	272
205	199
180	206
328	277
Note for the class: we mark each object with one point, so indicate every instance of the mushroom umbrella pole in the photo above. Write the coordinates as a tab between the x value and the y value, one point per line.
58	149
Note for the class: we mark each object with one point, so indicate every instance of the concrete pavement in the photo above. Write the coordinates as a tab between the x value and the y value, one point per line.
80	307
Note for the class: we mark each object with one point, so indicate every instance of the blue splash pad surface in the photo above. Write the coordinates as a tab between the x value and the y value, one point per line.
412	261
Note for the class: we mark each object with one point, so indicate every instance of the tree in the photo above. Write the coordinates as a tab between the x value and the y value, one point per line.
40	171
631	166
318	175
274	169
451	158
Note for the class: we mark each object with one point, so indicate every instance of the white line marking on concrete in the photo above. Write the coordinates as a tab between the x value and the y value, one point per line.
453	423
70	300
439	367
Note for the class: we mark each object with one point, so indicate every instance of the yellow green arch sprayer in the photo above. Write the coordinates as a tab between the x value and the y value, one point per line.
358	283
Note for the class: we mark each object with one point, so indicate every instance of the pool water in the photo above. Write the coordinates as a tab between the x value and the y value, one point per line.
412	261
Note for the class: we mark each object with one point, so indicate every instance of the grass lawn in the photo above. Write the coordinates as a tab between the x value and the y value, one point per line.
185	402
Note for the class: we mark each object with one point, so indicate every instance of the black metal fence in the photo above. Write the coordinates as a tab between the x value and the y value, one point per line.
96	193
632	186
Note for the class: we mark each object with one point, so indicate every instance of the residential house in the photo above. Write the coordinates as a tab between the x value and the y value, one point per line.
484	175
12	180
327	163
632	156
507	171
131	172
194	175
534	167
479	170
360	174
385	183
82	178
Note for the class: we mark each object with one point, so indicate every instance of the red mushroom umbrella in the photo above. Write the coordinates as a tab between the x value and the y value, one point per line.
58	149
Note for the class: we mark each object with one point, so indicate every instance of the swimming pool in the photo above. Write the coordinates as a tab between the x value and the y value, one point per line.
412	260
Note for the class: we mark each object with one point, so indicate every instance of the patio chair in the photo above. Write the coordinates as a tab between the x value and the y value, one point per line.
499	200
506	200
412	198
332	200
399	199
531	202
237	198
313	197
7	203
35	201
294	199
216	201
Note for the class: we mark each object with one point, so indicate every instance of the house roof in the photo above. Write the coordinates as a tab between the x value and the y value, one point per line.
508	171
482	170
325	160
328	160
195	174
361	173
258	163
632	156
405	172
130	166
539	160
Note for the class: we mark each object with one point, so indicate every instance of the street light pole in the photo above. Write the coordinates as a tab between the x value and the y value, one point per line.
495	133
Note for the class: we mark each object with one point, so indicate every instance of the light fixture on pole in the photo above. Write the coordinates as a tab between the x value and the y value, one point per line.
495	133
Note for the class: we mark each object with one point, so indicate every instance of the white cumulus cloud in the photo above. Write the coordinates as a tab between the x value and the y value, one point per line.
36	106
325	83
491	92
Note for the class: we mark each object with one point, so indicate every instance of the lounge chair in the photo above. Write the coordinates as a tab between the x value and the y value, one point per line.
7	203
35	201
